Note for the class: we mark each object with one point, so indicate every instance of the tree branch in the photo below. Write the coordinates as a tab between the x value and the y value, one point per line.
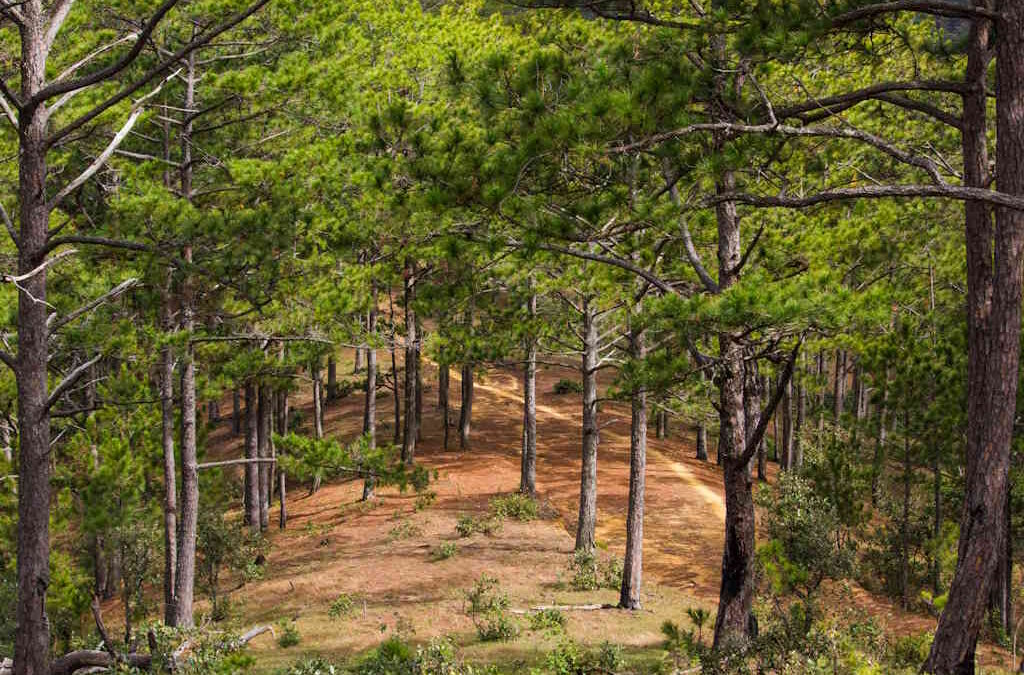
933	7
773	403
85	309
70	380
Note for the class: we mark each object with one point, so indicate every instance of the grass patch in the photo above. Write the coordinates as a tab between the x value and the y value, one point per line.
516	506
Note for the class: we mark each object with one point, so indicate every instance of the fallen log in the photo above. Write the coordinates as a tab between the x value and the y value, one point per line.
562	608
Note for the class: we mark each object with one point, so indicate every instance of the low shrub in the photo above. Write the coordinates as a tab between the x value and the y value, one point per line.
342	606
316	665
487	606
404	530
589	573
288	634
444	551
468	525
424	501
565	386
516	506
548	619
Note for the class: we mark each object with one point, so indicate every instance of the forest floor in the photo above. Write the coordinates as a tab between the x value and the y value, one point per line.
380	553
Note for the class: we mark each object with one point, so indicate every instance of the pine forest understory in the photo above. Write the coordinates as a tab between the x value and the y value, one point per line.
480	337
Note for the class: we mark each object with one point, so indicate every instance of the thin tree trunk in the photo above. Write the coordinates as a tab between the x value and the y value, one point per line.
252	472
443	398
236	413
797	454
586	525
786	442
528	469
632	568
166	384
394	374
282	516
263	452
466	404
318	400
409	432
370	408
905	519
419	379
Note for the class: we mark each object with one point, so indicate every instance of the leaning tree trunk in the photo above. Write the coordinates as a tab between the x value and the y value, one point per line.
528	468
252	472
586	524
632	568
994	260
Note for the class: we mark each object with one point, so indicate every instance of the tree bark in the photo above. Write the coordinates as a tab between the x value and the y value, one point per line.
466	405
332	378
166	385
252	475
528	468
370	407
318	399
786	442
236	413
263	452
586	524
994	317
443	398
409	432
632	568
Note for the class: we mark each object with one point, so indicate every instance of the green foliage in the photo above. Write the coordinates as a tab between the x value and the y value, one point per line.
222	546
487	606
569	658
342	606
548	620
564	386
288	634
444	551
316	665
395	656
406	529
424	501
517	506
589	573
468	525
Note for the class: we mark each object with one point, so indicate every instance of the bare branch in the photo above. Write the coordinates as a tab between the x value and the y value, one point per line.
933	7
691	251
85	309
780	389
58	14
873	192
101	160
70	380
9	224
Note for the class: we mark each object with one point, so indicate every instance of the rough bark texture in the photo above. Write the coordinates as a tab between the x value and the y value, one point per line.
632	568
332	378
318	400
994	316
32	637
370	406
586	523
466	405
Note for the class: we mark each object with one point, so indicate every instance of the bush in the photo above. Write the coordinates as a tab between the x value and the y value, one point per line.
394	656
314	666
909	651
487	606
289	636
517	506
467	526
548	619
404	530
424	501
569	659
444	551
590	573
342	606
565	386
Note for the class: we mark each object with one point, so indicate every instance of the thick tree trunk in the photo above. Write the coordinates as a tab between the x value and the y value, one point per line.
994	318
586	524
252	472
263	452
528	468
166	390
632	568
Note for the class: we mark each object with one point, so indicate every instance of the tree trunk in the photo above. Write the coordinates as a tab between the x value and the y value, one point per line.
282	517
252	472
419	379
466	406
186	569
994	322
166	391
318	399
632	568
397	437
702	442
905	519
839	388
409	432
752	410
263	452
332	378
370	407
528	468
586	524
797	455
236	413
443	399
786	441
